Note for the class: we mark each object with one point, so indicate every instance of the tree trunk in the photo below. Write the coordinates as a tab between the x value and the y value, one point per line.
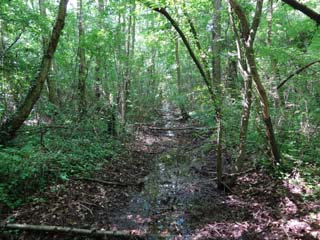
51	83
9	127
82	63
3	95
244	124
275	154
304	9
179	79
191	52
216	73
98	82
247	35
127	75
247	98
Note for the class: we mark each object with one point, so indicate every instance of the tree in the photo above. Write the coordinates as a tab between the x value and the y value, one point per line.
202	65
245	37
216	73
9	128
304	9
51	83
82	63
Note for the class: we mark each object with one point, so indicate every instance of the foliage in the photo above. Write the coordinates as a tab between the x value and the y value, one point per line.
150	68
64	153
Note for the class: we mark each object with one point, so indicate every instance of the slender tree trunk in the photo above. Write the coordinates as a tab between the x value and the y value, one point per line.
247	98
179	79
98	83
9	127
127	76
206	78
82	63
275	154
3	97
244	124
247	35
51	83
216	73
278	94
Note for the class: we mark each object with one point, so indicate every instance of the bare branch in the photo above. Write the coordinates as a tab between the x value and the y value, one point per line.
304	9
298	71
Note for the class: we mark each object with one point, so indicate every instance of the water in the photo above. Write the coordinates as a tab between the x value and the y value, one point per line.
169	190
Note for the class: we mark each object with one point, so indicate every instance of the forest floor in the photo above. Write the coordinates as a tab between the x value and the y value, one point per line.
165	185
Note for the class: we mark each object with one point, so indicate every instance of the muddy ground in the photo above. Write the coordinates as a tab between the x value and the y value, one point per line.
164	185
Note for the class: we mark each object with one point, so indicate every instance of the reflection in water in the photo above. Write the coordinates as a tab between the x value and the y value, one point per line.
168	190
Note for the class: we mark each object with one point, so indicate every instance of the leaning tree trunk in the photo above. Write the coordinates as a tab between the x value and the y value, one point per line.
9	128
248	34
275	154
247	97
51	83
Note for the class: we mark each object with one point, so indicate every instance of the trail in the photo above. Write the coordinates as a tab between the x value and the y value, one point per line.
180	177
164	185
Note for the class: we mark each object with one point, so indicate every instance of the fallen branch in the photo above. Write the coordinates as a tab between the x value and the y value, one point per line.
110	183
298	71
78	231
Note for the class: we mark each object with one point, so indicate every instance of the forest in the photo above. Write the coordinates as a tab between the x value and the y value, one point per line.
159	119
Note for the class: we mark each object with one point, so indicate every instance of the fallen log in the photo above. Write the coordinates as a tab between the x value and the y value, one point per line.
79	231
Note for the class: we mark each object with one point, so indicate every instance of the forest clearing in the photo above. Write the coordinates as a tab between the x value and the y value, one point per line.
138	119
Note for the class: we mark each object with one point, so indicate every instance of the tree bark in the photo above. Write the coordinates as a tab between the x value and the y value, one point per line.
179	79
51	83
247	97
98	83
10	126
216	74
247	40
127	75
304	9
82	63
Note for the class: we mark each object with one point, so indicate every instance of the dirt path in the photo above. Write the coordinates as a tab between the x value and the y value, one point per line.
165	186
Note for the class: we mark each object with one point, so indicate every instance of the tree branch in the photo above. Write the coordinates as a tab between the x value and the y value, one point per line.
13	43
256	21
176	26
242	18
298	71
304	9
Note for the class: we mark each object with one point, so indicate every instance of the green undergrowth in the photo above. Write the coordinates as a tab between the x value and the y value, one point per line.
296	133
42	156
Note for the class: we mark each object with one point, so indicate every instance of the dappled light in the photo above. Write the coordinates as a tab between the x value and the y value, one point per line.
173	120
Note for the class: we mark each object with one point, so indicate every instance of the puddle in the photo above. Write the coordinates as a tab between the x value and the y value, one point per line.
169	191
